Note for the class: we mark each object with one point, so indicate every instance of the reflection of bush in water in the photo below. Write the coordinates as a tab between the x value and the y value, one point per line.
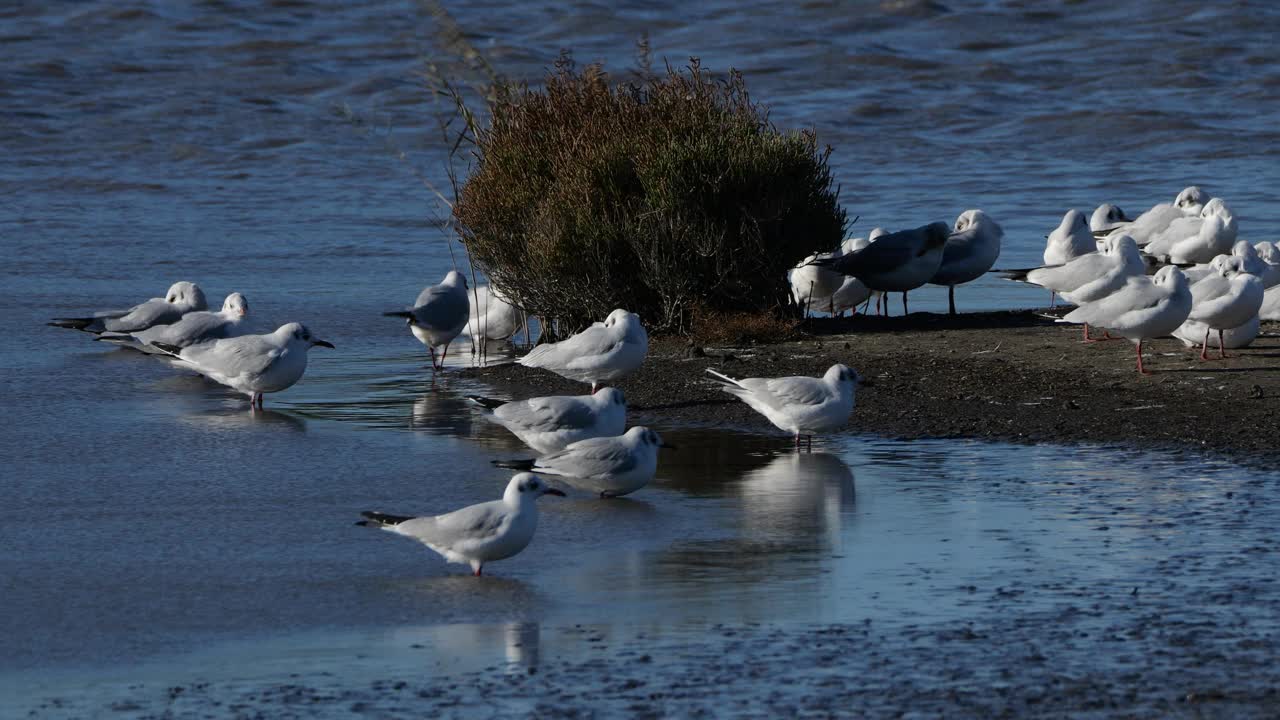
663	196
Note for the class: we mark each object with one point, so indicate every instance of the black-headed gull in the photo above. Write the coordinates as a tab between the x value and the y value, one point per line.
438	315
1106	218
797	404
1069	240
192	328
252	364
610	466
1091	276
969	253
183	297
1193	332
1187	204
550	424
1142	309
1225	300
1197	239
603	353
476	534
897	262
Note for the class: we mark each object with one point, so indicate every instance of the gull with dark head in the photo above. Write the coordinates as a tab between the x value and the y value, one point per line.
969	253
550	424
182	298
476	534
438	315
896	262
802	406
603	353
252	364
610	466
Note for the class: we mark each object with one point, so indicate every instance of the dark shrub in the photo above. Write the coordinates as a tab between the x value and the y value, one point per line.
654	197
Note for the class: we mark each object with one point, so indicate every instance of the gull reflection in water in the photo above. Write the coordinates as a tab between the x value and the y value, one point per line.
239	418
477	644
798	495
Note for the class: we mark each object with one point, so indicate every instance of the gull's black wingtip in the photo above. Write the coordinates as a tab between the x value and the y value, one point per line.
487	403
173	350
522	465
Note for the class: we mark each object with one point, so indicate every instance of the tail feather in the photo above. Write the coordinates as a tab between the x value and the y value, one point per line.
1016	274
486	403
399	314
72	323
377	519
522	465
724	378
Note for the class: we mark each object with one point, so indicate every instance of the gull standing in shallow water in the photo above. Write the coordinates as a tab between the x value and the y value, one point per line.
438	315
476	534
969	253
192	328
797	404
182	298
1142	309
602	353
611	466
550	424
252	364
897	262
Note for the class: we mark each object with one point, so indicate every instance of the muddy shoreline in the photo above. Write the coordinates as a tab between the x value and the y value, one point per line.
1009	376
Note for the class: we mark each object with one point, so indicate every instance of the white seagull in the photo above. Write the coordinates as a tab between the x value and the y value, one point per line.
192	328
897	262
1069	240
1106	218
813	286
550	424
610	466
969	253
1269	254
1092	276
1193	332
853	292
1188	203
1142	309
1270	309
252	364
603	353
476	534
438	315
182	298
492	317
797	404
1197	239
1225	300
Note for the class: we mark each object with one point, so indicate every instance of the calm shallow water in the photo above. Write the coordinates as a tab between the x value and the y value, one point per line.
152	528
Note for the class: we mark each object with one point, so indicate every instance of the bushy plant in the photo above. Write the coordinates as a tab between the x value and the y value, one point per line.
656	196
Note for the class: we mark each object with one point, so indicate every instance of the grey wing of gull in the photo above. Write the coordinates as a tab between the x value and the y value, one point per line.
192	328
475	523
595	340
799	390
960	246
148	314
588	458
547	414
886	254
441	308
245	355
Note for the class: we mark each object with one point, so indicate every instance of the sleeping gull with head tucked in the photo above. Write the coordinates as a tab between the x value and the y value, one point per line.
969	253
1225	300
797	404
1092	276
192	328
549	424
603	353
252	364
182	298
438	315
476	534
610	466
1142	309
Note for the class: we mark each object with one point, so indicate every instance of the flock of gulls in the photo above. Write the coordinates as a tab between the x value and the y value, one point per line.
1204	280
1178	269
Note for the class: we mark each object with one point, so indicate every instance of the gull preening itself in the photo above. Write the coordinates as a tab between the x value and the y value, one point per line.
1142	309
1197	239
603	353
610	466
438	315
550	424
799	405
1225	300
476	534
192	328
182	298
969	253
896	262
252	364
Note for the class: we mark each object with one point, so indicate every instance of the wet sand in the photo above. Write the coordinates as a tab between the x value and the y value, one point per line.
1014	376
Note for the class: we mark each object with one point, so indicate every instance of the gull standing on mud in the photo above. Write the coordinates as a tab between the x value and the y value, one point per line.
252	364
192	328
476	534
1092	276
610	466
897	262
852	291
183	297
1070	240
1225	300
550	424
969	253
797	404
438	315
1142	309
603	353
